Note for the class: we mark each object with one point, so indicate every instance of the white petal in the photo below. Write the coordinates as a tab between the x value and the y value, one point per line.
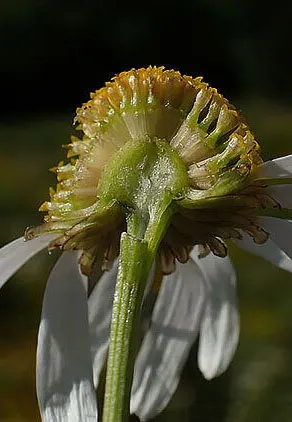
17	253
280	232
280	168
269	251
64	365
282	194
219	330
100	310
165	348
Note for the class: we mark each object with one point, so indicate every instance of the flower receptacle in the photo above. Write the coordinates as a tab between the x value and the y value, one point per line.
145	178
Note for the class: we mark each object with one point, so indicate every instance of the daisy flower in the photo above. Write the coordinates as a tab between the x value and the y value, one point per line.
162	174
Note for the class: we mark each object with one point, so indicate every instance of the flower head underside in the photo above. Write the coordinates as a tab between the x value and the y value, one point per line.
204	135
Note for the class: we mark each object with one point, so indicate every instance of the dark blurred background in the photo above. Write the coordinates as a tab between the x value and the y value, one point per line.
53	54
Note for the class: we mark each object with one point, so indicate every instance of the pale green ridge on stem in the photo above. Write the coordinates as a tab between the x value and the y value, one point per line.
145	178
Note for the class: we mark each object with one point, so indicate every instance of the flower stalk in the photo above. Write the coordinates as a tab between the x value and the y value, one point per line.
136	258
132	276
148	201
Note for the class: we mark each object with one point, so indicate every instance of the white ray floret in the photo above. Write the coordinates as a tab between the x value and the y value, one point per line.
282	194
280	232
174	327
219	331
279	168
268	250
16	253
64	364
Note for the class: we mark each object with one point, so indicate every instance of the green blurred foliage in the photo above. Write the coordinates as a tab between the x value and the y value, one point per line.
54	52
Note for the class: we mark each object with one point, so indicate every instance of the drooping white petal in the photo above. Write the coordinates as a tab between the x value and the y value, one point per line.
174	327
100	310
17	253
219	330
280	232
282	194
64	364
280	168
268	250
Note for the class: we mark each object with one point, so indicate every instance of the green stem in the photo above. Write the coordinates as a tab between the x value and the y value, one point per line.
136	258
132	277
